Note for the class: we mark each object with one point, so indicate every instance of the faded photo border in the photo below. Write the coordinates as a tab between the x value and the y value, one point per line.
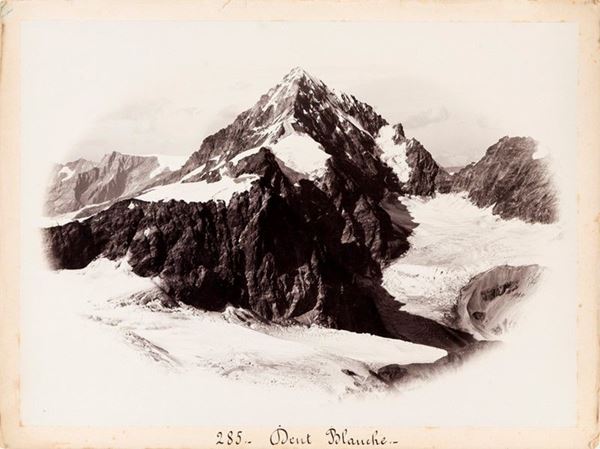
586	15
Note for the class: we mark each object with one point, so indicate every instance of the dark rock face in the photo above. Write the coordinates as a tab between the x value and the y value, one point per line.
289	253
399	135
490	302
509	178
277	249
426	176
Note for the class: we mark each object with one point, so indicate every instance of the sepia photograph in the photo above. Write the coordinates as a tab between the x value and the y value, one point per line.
237	224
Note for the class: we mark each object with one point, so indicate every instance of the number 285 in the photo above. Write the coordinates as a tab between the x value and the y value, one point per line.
230	438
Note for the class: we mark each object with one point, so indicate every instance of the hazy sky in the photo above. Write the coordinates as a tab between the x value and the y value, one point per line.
161	87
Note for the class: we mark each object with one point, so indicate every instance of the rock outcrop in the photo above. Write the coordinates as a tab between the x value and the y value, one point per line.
417	171
286	252
489	304
426	176
511	178
277	249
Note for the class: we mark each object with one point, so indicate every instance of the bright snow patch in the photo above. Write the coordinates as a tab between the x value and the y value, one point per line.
200	191
60	220
394	155
244	155
302	154
194	172
296	150
454	241
67	172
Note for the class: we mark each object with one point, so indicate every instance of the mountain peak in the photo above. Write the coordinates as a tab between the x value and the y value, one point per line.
300	109
295	80
298	73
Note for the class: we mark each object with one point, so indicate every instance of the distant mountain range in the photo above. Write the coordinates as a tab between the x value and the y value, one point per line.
289	212
79	184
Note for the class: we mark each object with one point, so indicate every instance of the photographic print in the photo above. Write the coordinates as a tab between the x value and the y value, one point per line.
282	225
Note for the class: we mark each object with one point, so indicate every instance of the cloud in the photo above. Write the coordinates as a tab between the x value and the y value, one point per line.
142	127
426	117
133	111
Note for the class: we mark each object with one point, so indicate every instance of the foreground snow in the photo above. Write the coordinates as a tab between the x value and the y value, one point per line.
230	338
454	241
90	332
88	361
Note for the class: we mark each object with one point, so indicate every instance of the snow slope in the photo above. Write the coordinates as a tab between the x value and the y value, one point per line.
393	154
200	191
59	220
454	241
302	154
145	354
244	155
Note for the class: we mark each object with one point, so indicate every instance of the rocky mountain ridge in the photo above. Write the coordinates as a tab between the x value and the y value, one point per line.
302	106
304	124
514	178
304	240
282	251
83	183
488	304
299	246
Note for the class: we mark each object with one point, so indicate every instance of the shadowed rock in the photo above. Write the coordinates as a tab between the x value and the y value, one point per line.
489	303
512	180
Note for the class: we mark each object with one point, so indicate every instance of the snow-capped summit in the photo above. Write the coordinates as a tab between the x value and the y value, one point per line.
307	127
295	76
304	124
296	73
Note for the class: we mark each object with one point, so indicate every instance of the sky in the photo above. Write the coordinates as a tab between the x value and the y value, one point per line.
160	87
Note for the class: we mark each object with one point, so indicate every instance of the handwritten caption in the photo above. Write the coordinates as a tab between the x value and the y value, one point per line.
281	436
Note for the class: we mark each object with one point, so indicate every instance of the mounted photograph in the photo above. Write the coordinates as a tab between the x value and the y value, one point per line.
290	225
